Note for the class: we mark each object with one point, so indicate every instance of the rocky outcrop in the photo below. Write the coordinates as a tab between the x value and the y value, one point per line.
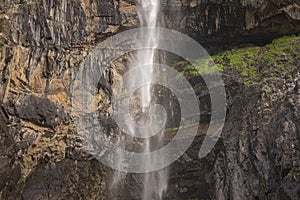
261	144
218	25
65	24
257	156
43	43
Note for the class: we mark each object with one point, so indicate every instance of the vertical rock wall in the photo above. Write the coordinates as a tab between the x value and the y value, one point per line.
43	43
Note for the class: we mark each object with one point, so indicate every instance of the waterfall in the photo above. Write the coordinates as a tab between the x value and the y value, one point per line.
155	183
147	12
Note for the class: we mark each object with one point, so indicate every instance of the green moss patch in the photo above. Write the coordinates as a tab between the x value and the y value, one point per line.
294	170
281	58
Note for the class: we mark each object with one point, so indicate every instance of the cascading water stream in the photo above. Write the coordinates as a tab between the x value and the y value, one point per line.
148	12
155	183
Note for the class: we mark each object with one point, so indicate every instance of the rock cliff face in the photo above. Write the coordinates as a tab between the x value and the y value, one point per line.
258	154
42	44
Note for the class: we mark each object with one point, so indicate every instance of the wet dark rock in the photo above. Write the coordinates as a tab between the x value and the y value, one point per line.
67	179
41	111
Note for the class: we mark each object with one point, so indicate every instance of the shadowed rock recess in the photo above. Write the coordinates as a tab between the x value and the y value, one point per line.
43	43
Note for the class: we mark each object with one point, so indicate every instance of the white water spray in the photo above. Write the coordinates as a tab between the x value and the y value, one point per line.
148	13
155	183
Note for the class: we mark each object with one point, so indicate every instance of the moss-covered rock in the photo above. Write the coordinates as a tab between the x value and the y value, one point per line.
281	58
